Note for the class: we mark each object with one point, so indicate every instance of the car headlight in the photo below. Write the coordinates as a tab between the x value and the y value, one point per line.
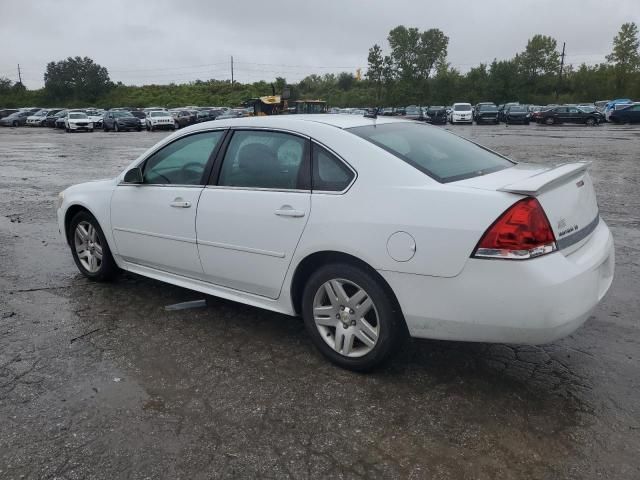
60	199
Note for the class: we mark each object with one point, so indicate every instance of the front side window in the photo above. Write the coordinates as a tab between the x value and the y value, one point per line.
329	173
182	162
261	159
435	152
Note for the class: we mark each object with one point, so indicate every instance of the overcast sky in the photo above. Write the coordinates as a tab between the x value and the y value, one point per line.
159	41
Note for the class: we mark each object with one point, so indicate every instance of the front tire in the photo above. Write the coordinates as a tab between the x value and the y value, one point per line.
115	127
549	120
350	317
90	249
590	122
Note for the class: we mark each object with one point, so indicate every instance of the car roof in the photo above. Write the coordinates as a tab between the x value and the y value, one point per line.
295	122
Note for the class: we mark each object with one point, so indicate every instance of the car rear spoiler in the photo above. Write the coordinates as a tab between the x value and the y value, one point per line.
543	181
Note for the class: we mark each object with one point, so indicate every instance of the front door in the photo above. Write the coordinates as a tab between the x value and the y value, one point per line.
249	223
154	223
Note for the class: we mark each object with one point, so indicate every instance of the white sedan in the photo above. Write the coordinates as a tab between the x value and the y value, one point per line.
367	228
76	121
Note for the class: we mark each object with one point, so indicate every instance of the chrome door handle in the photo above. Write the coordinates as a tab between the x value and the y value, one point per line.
289	212
180	204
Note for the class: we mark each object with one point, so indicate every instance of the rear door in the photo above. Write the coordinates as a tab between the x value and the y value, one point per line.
251	217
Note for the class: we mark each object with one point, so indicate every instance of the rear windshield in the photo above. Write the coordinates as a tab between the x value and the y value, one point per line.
435	152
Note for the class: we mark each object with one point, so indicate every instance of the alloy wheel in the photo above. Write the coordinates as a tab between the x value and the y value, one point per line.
346	317
88	246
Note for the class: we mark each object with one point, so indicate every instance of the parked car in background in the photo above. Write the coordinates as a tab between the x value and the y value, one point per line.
489	236
61	121
203	116
159	119
77	120
141	116
502	110
182	118
7	111
485	113
629	114
16	119
50	120
37	119
461	113
517	114
436	115
615	104
600	104
120	120
413	112
564	114
95	116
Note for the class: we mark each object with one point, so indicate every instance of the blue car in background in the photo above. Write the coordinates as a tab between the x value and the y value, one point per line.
611	106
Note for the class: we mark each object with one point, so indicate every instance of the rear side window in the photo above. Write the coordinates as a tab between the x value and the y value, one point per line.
435	152
263	159
329	173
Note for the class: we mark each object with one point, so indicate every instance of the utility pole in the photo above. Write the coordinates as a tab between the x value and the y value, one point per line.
19	75
561	67
232	70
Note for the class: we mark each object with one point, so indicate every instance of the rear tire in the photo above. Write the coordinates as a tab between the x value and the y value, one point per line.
90	249
357	328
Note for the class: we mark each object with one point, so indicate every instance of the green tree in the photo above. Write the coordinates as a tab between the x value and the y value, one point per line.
5	85
375	69
625	56
76	78
540	57
345	80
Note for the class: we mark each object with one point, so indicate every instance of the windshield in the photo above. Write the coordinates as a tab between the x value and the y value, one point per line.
411	110
517	108
463	107
488	108
159	114
122	114
435	152
77	115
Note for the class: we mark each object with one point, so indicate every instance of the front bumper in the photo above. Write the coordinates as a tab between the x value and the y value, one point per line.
74	126
517	120
461	119
163	126
530	301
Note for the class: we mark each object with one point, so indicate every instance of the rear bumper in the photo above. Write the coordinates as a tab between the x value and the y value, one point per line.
531	301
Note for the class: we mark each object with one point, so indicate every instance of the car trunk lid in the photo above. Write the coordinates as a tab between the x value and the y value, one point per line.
565	192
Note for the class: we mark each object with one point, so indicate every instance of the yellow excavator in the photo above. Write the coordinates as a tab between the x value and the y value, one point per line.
279	104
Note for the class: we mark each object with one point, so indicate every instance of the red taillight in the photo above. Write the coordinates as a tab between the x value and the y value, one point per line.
521	232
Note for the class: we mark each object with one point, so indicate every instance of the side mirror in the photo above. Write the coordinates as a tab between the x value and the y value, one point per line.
133	176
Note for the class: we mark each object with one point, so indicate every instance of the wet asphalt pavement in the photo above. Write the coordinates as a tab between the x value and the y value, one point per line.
99	381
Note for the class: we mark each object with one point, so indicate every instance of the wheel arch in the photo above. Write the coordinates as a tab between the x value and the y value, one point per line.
313	261
71	212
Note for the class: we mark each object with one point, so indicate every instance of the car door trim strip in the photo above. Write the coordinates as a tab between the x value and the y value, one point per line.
158	235
239	248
